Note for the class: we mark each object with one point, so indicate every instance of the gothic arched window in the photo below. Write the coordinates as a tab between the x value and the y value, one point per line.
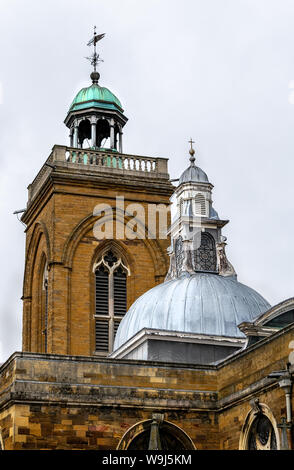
110	299
205	255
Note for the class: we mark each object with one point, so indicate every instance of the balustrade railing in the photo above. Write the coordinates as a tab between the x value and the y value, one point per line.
101	161
113	160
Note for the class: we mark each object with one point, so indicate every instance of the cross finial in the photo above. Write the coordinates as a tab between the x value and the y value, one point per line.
192	151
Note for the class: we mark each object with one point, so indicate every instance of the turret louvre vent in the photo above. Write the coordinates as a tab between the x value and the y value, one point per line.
200	204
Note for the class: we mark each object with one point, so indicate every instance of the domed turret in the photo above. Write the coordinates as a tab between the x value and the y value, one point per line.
96	117
95	96
193	174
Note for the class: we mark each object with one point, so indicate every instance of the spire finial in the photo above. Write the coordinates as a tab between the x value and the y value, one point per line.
192	151
95	58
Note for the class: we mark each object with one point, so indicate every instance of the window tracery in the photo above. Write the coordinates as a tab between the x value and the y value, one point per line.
205	255
110	299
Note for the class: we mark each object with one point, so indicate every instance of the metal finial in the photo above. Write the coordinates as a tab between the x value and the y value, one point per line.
95	58
192	151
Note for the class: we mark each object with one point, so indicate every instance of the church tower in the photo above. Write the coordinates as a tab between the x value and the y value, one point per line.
78	284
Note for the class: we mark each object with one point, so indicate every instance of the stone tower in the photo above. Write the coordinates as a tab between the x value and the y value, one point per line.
77	286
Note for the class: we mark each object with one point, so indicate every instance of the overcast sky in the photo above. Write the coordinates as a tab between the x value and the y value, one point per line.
220	71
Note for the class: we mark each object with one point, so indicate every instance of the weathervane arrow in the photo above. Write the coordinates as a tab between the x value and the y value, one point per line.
95	58
95	39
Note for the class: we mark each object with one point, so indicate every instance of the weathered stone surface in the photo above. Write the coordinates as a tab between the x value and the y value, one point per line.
60	223
74	402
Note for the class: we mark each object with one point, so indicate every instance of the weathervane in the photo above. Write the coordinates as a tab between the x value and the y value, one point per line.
95	58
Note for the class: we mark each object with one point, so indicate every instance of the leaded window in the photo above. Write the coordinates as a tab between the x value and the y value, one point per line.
110	299
205	255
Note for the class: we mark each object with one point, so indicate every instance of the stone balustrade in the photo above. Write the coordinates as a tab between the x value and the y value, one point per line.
99	159
111	160
102	162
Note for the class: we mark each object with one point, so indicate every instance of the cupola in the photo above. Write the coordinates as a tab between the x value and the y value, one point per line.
96	116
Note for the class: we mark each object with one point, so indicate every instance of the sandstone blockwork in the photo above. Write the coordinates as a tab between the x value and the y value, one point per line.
73	402
62	249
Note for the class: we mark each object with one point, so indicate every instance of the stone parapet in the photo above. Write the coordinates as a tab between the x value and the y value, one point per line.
103	163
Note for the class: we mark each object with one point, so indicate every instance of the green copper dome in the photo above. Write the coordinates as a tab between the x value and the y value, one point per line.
97	97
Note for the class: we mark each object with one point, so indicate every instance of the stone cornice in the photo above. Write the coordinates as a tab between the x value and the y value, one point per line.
108	395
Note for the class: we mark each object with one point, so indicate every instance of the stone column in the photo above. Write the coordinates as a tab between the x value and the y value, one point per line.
71	137
75	136
112	134
120	141
93	131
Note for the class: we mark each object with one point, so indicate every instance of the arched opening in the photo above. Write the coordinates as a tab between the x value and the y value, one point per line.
262	435
110	298
102	133
205	256
154	434
84	133
260	430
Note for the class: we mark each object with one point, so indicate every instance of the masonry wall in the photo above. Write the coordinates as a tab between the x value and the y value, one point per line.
60	224
67	402
245	377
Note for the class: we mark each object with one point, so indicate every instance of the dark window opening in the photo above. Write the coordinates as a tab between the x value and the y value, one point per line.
262	434
102	132
84	133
